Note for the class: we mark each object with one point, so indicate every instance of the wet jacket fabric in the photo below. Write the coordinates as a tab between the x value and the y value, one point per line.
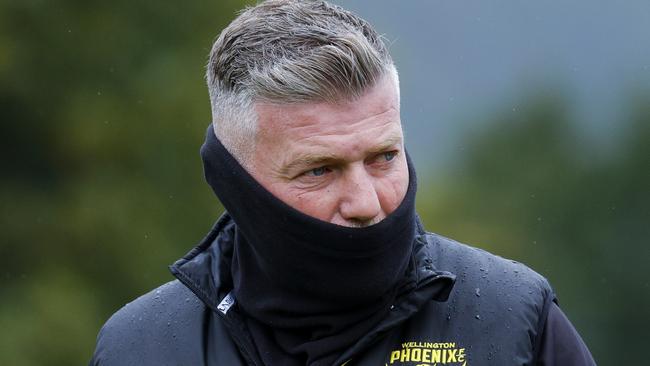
494	312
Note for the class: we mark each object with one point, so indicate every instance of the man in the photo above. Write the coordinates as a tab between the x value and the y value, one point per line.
320	258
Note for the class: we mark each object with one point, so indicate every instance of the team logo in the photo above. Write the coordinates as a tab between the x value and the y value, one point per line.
428	354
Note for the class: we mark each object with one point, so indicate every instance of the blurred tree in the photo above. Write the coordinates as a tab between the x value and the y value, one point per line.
103	110
528	189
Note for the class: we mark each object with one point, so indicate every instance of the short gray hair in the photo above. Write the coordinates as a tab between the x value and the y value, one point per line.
287	51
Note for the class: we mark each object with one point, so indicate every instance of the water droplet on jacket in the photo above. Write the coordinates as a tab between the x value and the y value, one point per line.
478	317
477	292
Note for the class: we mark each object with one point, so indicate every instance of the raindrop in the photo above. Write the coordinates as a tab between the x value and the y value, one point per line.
478	317
477	292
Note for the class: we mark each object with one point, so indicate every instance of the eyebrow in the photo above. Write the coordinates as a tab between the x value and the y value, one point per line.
386	144
309	159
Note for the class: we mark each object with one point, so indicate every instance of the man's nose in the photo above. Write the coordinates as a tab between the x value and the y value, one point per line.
360	205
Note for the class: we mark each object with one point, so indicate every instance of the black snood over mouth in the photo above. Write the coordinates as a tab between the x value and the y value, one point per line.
315	285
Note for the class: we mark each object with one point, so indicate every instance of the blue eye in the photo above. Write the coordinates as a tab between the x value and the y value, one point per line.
390	155
318	171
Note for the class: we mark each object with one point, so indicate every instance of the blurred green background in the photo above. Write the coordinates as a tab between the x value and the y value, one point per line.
103	110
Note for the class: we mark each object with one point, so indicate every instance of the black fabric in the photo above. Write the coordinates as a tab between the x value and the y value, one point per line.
561	344
179	324
310	288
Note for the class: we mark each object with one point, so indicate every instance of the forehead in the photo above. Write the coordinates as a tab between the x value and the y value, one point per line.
376	109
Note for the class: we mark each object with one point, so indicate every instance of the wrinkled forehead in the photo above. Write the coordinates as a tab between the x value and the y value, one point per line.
380	100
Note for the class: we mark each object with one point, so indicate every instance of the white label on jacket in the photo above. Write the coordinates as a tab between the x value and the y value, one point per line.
226	303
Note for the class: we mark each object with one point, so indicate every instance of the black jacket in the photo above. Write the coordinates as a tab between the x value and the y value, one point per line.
496	314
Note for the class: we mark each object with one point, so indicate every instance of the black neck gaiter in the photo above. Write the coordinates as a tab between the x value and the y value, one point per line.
310	287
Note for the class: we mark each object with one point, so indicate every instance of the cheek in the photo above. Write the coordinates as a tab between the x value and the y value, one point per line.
319	204
393	188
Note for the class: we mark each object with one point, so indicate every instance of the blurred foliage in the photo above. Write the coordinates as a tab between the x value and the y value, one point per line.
528	188
104	109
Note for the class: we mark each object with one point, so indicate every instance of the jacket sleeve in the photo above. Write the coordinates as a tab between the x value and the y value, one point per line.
96	360
561	344
163	327
113	343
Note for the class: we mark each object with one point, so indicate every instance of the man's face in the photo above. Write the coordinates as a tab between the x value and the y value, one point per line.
342	163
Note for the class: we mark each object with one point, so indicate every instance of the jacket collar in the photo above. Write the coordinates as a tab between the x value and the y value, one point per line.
201	269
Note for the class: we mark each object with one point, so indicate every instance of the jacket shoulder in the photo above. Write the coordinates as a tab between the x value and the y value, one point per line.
465	260
493	298
162	327
488	283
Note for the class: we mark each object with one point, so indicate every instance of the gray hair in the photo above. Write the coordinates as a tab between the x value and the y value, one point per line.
287	51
